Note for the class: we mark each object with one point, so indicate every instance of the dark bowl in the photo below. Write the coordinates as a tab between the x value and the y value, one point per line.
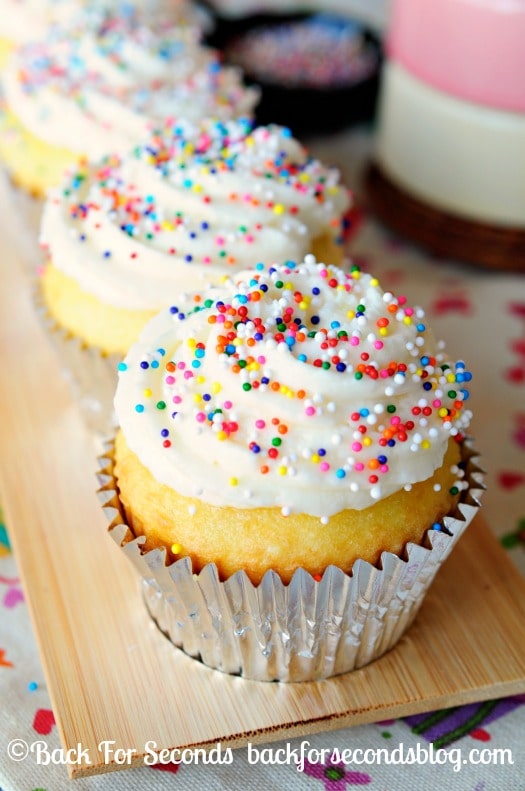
305	108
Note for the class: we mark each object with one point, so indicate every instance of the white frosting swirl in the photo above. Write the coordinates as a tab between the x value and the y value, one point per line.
195	203
301	387
100	87
22	21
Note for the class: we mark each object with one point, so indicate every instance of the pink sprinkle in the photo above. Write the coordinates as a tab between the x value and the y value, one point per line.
261	359
219	240
395	421
220	318
249	237
188	374
260	423
409	311
176	399
200	417
207	259
359	467
309	411
356	446
227	405
324	466
170	380
383	468
383	373
378	344
181	365
436	403
354	340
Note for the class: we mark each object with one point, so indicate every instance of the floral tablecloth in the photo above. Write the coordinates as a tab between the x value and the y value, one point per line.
479	747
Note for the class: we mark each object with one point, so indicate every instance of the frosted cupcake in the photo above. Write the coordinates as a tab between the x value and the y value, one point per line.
194	204
99	85
291	433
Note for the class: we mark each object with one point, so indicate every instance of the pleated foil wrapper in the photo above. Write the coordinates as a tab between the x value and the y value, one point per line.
91	374
25	212
304	631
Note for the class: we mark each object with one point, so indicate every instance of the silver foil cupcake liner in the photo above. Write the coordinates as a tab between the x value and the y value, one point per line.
91	374
24	222
304	631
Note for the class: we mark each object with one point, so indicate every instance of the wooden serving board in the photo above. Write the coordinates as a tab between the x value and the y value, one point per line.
113	676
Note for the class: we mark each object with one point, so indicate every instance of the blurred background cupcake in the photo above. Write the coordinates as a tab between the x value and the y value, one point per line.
194	204
98	84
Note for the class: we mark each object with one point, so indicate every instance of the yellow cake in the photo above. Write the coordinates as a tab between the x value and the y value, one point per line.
295	417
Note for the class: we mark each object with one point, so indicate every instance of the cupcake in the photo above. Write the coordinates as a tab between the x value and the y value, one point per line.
286	438
99	85
195	203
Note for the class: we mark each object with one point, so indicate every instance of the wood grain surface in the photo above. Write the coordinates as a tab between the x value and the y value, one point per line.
113	676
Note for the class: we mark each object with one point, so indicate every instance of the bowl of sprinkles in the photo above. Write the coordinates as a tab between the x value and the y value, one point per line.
291	469
317	72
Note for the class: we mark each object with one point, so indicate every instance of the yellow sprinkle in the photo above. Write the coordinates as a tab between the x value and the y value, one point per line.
425	444
282	470
216	388
167	226
176	549
350	314
147	393
374	281
197	188
200	379
288	286
222	435
383	331
278	208
315	458
197	398
356	274
249	141
234	482
407	320
451	378
367	441
304	178
443	412
192	343
303	305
